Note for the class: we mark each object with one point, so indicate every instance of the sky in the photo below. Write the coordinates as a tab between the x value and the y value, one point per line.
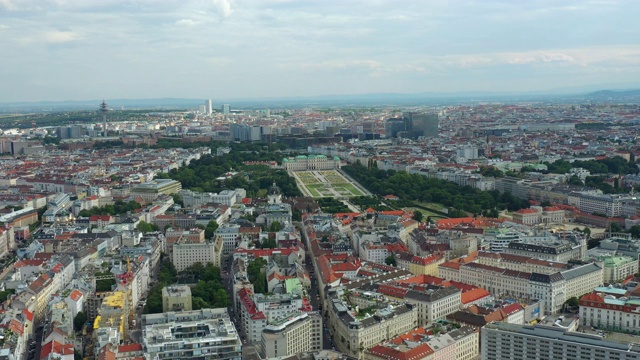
225	49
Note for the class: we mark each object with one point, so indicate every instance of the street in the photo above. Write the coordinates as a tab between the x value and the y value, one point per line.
248	350
38	338
327	339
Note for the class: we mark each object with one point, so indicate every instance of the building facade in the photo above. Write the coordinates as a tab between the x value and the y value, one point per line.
176	298
292	335
202	338
502	341
310	162
187	254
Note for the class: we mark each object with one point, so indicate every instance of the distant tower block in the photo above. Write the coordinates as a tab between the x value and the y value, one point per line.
208	107
103	111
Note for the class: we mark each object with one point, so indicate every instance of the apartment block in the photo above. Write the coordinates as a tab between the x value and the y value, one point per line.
192	339
186	254
502	341
292	335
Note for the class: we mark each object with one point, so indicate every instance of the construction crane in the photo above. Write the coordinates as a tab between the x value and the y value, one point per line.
124	279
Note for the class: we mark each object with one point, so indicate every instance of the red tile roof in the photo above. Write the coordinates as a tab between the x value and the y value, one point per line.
28	314
57	268
16	326
245	298
101	217
391	290
75	295
29	262
54	347
129	348
421	351
473	295
527	211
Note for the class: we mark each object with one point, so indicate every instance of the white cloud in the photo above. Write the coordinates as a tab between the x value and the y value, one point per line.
187	22
316	46
59	37
343	65
8	4
541	58
223	7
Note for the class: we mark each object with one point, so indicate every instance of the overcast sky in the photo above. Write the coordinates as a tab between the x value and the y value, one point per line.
94	49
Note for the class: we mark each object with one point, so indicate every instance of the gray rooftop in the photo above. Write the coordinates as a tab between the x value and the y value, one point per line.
580	271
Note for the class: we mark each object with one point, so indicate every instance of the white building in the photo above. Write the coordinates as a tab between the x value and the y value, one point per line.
593	203
229	234
257	311
434	304
502	341
311	162
618	268
186	254
553	288
613	308
150	190
193	199
191	334
292	335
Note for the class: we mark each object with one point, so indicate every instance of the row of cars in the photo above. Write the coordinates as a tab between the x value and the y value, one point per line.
31	355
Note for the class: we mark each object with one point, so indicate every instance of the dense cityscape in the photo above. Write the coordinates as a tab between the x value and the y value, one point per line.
487	231
319	180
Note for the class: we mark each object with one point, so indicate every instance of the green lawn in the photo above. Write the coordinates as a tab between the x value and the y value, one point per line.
334	180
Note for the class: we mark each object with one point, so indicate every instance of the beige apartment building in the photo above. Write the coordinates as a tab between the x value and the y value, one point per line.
176	298
292	335
186	254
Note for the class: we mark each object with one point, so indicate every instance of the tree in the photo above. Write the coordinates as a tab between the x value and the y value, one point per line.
256	276
5	294
275	226
269	243
79	320
575	180
177	199
573	302
635	231
105	284
146	227
390	260
210	230
417	215
615	227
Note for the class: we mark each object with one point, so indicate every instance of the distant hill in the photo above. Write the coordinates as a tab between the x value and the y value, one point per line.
161	103
371	99
614	94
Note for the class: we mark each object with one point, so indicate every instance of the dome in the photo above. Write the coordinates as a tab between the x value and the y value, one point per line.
274	190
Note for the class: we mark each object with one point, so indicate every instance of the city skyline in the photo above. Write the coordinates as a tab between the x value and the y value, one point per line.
76	50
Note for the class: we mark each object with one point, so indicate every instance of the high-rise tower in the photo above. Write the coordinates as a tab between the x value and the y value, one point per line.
423	124
208	105
103	111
